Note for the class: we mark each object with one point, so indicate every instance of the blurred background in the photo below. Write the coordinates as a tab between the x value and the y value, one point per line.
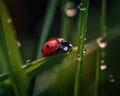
28	18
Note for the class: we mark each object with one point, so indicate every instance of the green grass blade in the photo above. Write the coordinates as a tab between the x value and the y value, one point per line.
4	77
103	18
98	74
81	35
2	55
11	53
35	67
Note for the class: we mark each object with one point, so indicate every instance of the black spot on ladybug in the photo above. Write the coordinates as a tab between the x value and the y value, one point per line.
47	46
42	50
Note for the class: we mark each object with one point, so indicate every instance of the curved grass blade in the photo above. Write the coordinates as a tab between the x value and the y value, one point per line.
35	67
12	56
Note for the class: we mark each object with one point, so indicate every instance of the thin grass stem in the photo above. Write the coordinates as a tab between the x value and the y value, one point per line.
81	35
98	74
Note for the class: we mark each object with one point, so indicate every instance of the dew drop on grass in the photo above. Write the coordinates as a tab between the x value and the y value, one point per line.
81	37
18	43
81	7
9	20
101	42
70	9
78	55
84	50
111	78
85	39
28	61
102	61
103	65
78	58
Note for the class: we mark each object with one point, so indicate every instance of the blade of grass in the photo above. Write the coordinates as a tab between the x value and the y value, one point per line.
82	31
2	57
34	68
11	53
98	82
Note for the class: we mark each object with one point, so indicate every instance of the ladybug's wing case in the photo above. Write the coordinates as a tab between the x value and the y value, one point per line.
55	45
50	46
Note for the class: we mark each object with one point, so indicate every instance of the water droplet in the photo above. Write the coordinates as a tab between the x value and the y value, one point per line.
18	43
103	67
111	78
78	55
28	61
101	42
102	45
105	27
78	58
102	61
81	37
9	20
84	50
70	9
85	39
81	7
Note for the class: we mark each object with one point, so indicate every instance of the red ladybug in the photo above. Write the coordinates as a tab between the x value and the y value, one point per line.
56	45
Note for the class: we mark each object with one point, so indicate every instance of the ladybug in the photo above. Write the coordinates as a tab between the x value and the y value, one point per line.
56	45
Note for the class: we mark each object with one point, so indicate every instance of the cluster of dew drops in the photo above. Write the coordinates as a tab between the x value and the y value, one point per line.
102	43
71	9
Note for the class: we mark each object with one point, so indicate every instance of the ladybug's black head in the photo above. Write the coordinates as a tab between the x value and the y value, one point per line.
66	46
